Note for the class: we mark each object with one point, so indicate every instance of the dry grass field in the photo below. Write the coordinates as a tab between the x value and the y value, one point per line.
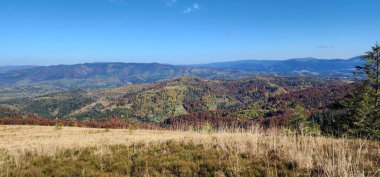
46	151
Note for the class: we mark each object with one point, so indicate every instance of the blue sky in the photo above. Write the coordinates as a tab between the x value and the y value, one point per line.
45	32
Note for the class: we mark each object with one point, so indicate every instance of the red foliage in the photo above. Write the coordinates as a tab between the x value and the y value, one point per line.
113	123
314	98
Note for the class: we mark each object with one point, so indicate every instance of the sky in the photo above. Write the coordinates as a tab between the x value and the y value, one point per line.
49	32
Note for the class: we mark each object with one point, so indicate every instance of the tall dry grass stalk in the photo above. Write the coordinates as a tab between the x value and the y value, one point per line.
332	157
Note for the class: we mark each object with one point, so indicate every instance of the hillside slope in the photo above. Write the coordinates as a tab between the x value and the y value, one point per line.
243	99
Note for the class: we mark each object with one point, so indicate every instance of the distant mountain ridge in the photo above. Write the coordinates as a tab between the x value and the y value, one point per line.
4	69
105	75
292	67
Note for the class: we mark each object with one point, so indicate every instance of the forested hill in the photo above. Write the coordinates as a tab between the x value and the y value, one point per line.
246	99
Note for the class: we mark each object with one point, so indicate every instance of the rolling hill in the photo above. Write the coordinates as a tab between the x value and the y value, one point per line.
245	99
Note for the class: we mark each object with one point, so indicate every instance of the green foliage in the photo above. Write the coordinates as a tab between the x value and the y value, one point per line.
252	111
365	104
159	103
58	126
59	105
364	114
333	122
359	115
300	124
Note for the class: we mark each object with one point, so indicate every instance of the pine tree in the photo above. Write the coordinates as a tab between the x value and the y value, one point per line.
364	105
371	69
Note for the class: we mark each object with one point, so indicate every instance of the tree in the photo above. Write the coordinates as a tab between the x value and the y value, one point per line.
300	124
371	69
364	105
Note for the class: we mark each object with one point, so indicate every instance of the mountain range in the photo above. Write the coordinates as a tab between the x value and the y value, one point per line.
150	72
294	67
22	81
100	75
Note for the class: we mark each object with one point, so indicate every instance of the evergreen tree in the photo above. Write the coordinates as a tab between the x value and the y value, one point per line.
371	70
364	105
300	124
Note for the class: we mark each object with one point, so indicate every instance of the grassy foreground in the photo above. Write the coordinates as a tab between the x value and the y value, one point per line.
46	151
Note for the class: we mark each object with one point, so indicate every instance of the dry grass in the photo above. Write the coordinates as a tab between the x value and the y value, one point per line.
327	156
18	139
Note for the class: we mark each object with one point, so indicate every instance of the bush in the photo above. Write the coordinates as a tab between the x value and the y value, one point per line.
58	126
207	128
300	124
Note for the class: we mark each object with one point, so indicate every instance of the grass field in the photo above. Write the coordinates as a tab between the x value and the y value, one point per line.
46	151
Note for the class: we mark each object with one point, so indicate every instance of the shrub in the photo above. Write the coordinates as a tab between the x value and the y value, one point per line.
207	128
58	126
300	124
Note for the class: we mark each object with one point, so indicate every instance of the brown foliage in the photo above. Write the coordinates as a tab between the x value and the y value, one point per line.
113	123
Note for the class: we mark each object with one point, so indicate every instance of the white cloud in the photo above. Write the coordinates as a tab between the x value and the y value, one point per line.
170	2
192	8
196	6
188	10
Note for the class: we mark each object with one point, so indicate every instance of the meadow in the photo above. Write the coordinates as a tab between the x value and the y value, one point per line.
71	151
